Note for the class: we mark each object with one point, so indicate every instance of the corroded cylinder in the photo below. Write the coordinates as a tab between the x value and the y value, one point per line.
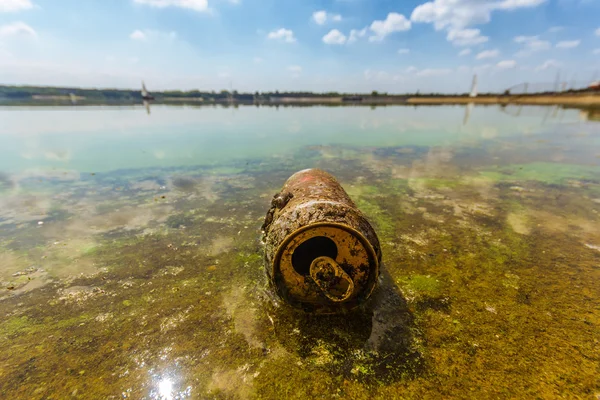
321	253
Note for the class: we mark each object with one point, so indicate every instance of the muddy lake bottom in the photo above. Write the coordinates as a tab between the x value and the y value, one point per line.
145	279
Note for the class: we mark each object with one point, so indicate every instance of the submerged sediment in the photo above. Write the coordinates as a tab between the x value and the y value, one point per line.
138	281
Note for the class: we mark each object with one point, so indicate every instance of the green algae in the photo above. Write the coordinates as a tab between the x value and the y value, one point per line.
420	287
548	173
379	217
437	183
24	325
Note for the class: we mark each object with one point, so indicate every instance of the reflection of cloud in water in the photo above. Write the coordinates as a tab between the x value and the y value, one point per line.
489	132
435	164
204	187
6	182
145	186
55	174
219	245
58	155
518	222
159	154
295	127
34	150
126	218
244	317
11	263
67	258
23	208
236	383
370	123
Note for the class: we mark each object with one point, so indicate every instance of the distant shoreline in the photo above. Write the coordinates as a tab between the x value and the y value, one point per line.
583	101
39	95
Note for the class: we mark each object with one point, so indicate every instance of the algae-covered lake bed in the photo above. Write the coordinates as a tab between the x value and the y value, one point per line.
131	262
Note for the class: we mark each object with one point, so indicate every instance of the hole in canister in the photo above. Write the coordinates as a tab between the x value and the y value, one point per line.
318	246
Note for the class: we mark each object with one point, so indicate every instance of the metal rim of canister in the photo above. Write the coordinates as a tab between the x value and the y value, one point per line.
367	245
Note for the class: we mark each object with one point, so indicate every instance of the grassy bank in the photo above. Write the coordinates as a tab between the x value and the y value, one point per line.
587	99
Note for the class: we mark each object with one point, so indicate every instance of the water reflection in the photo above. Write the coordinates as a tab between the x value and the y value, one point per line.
590	115
166	389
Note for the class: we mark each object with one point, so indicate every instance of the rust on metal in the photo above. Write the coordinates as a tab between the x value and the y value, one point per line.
321	253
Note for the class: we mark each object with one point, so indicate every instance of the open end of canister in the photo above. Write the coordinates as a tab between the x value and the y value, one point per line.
309	250
325	263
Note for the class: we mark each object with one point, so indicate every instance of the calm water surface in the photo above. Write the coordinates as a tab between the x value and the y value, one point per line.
131	260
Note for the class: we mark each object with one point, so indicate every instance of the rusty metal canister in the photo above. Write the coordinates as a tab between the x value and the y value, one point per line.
321	253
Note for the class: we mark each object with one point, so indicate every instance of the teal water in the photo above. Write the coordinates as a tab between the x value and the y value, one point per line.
131	261
90	139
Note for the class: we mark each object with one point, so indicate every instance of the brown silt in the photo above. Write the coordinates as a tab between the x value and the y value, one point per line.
321	253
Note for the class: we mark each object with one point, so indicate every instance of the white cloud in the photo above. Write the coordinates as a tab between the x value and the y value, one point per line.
555	29
514	4
458	14
464	52
17	29
466	37
506	64
482	68
137	35
598	32
283	35
525	39
547	65
334	37
376	75
568	44
538	45
403	51
411	70
295	69
393	23
149	34
449	13
487	54
427	72
257	60
531	44
356	34
321	17
15	5
596	51
196	5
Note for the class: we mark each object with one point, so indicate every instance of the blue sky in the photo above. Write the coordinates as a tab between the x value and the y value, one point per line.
317	45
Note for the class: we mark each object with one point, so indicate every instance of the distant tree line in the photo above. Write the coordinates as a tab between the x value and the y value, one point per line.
25	93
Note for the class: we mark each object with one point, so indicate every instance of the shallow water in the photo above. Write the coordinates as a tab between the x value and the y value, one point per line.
131	261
